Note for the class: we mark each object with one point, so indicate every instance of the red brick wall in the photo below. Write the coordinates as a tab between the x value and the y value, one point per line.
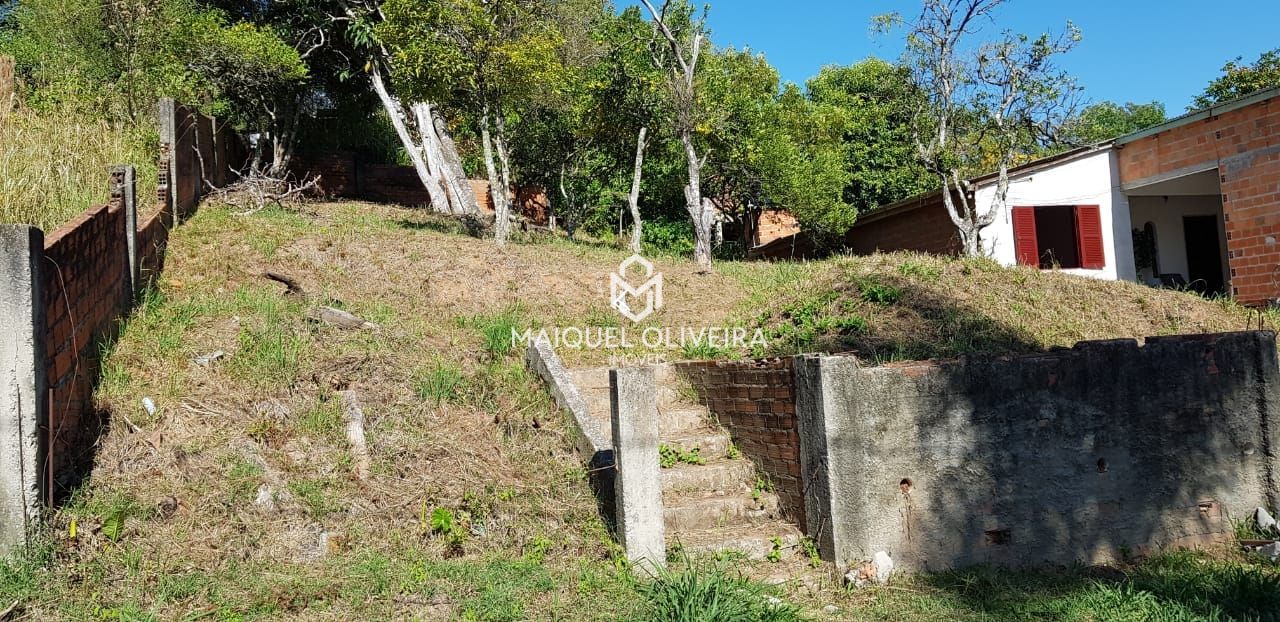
1244	144
755	402
342	174
774	224
927	228
204	149
85	290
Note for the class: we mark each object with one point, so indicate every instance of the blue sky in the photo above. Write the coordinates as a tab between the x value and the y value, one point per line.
1133	50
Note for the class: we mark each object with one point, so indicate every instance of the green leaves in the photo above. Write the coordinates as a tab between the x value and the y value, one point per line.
1238	79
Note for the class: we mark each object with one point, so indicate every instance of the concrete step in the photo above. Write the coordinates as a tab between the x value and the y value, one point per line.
686	512
598	377
726	476
755	542
677	421
712	444
673	421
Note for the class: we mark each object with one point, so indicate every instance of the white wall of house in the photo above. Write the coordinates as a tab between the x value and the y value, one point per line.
1087	179
1166	214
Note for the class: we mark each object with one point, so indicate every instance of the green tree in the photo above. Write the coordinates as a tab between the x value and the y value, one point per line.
1238	80
489	56
874	102
1107	120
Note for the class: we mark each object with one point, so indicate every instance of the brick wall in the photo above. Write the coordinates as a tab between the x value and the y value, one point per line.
774	224
85	290
925	227
201	148
343	174
1244	145
755	402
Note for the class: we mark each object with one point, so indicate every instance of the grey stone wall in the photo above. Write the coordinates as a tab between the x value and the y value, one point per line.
1072	455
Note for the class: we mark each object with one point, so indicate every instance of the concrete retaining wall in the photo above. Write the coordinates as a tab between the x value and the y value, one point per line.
1073	455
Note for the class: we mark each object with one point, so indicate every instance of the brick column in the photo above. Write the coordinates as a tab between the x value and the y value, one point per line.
638	485
22	382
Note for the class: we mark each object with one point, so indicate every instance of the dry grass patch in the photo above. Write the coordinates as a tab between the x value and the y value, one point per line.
54	165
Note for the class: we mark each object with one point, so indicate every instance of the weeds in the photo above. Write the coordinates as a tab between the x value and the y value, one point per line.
702	592
669	456
444	381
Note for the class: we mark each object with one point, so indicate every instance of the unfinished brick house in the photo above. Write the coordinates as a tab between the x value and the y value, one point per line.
1191	202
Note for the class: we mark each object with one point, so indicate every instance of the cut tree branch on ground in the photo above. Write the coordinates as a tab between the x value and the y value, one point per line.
354	418
254	190
293	287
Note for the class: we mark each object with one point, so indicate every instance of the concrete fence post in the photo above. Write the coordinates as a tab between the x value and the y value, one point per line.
124	189
167	116
22	382
638	484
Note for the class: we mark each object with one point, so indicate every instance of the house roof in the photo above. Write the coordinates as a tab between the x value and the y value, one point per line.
921	200
1197	115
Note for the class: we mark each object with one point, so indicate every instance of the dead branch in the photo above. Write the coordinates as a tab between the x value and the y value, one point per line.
254	190
293	287
354	417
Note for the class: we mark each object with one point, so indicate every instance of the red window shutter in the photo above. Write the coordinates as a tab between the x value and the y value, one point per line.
1089	228
1025	246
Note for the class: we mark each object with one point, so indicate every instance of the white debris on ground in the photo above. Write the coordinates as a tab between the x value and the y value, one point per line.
876	571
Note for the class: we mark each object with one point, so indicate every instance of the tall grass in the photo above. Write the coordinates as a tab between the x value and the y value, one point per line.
54	165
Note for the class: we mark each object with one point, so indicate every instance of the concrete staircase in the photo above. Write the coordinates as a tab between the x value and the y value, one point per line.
709	508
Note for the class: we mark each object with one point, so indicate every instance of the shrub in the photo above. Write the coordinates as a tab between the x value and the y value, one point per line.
706	593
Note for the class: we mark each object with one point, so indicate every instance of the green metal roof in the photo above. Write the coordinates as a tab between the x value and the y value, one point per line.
1211	111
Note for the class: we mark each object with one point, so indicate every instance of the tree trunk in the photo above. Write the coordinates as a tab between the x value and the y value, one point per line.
699	210
283	142
504	169
436	188
496	190
400	121
455	176
633	199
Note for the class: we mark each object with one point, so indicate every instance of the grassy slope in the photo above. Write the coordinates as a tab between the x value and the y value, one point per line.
168	526
910	306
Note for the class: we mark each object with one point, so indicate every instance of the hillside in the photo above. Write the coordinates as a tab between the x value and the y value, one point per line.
905	306
239	497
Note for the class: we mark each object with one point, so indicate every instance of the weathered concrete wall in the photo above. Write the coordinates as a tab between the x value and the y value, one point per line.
22	399
1072	455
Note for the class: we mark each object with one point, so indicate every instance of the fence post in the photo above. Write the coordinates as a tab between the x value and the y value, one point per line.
22	382
168	120
638	481
124	192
